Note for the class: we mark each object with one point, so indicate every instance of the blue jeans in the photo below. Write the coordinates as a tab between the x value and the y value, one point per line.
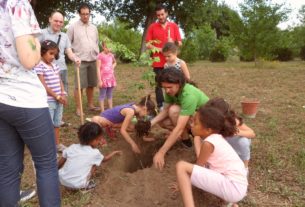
158	89
241	145
33	128
56	110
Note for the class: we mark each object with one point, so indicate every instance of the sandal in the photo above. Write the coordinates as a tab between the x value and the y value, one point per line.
78	113
95	108
110	133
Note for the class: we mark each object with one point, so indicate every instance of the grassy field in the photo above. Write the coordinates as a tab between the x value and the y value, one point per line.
277	166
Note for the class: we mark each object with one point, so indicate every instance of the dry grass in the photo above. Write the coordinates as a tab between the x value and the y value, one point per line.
277	167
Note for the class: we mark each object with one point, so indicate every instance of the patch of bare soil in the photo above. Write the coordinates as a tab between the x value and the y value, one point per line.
274	180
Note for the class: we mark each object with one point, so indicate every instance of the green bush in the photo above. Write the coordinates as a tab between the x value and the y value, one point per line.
222	50
302	53
189	50
198	44
246	58
206	40
217	56
283	54
126	42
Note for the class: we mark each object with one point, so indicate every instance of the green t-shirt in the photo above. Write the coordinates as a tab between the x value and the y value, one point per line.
189	99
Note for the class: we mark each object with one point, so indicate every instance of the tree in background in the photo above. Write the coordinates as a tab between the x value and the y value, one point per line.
117	32
190	14
257	34
44	8
299	34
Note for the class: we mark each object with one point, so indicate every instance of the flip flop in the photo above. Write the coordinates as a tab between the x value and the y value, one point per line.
78	113
95	109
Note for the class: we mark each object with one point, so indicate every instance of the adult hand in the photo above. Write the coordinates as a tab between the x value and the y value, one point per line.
77	61
159	160
170	40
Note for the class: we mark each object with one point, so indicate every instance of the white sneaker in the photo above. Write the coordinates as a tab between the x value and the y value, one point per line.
27	194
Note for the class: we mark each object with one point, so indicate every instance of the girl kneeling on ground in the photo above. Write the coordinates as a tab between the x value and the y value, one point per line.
218	169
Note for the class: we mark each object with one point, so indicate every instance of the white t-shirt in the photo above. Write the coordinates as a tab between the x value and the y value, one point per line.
76	171
18	86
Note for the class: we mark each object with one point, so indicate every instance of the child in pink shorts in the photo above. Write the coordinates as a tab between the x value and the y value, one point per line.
218	169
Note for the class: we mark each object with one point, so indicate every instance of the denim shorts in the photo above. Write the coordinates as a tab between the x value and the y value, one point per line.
56	110
241	145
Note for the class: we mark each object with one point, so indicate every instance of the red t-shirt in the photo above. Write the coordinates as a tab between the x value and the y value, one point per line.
157	32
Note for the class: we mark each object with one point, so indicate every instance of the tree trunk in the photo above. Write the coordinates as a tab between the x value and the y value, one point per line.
150	19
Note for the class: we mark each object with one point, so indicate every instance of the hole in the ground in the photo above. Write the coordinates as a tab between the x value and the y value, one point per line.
145	159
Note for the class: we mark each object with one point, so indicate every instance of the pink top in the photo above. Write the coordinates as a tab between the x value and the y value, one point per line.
106	69
225	160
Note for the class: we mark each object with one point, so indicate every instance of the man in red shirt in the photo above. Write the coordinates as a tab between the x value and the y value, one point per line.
160	33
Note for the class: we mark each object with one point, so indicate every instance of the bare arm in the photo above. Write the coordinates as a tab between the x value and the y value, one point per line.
205	151
63	97
98	66
170	141
61	162
245	131
161	116
175	134
185	70
49	90
114	63
73	57
28	50
128	113
197	145
109	156
151	46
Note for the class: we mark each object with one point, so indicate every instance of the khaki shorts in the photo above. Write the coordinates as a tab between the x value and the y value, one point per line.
88	74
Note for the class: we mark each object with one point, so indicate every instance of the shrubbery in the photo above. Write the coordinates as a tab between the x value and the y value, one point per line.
222	50
302	53
189	50
283	54
124	42
202	44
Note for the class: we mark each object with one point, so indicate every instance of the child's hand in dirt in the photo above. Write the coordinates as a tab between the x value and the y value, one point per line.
118	152
103	141
135	148
174	190
149	139
174	187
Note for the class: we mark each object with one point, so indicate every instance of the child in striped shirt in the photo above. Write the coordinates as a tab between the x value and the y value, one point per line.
48	73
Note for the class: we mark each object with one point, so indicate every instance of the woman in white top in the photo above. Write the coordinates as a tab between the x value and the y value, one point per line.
24	115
